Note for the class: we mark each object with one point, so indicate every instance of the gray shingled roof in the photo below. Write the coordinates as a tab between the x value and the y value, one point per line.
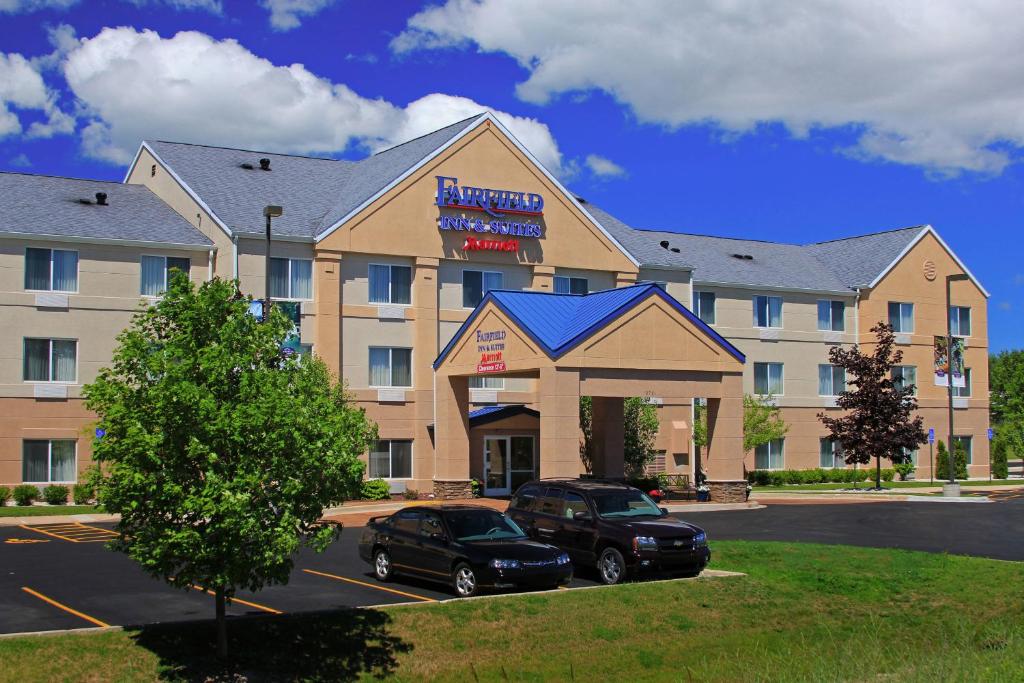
315	192
52	206
836	266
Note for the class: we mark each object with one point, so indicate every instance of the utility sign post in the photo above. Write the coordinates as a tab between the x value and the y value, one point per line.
931	452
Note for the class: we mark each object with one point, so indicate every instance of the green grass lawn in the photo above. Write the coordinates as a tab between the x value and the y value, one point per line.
804	612
888	485
47	510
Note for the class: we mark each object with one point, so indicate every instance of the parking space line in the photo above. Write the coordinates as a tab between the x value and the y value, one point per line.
241	602
369	585
73	532
43	531
91	620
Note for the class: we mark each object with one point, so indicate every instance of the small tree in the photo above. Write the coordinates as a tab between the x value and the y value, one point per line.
220	453
762	422
1000	464
700	438
641	427
587	428
942	461
877	423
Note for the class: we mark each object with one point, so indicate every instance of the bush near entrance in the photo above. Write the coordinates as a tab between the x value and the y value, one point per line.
1000	464
942	461
374	489
56	494
5	495
813	476
82	493
25	494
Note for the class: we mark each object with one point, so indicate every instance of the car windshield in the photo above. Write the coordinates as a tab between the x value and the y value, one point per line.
625	504
481	525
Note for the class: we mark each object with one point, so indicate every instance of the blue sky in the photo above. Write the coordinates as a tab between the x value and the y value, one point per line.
758	122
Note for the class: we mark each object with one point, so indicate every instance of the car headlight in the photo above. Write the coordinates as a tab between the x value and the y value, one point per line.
562	559
645	543
700	539
505	564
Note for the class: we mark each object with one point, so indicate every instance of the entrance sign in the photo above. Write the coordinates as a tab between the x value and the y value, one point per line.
949	363
490	346
494	203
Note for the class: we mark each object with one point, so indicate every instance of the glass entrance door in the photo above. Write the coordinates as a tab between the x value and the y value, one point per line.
496	470
523	465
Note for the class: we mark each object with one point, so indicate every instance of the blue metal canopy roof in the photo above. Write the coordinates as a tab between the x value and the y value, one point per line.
560	322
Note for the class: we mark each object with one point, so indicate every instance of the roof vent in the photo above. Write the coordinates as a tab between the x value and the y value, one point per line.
664	244
743	257
265	164
674	250
101	198
246	165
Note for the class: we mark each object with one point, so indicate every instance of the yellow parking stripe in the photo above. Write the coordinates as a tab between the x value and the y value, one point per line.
43	531
242	602
73	532
91	620
369	585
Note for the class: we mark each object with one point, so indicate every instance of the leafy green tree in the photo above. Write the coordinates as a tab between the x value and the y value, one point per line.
942	461
762	422
1000	464
700	438
587	427
220	453
1006	407
641	426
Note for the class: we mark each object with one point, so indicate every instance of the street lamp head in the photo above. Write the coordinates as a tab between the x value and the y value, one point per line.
272	211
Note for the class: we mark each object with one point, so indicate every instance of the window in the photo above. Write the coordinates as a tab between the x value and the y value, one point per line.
960	321
767	311
967	442
769	456
525	497
407	521
574	503
390	367
830	454
904	375
51	270
550	503
910	455
431	525
965	390
291	278
391	460
831	380
768	379
45	461
485	382
156	273
476	283
50	360
901	317
571	285
831	315
704	306
390	284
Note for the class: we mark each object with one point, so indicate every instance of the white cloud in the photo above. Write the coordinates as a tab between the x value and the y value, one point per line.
133	85
604	168
22	88
285	14
20	161
1005	306
20	6
212	6
933	83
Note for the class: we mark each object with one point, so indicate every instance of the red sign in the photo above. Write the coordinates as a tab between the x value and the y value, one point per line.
491	362
474	244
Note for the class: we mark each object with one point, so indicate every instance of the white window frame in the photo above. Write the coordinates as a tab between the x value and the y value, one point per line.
498	380
837	451
782	377
697	308
483	284
568	279
768	312
913	321
49	461
391	365
391	455
78	270
957	332
832	379
892	375
782	455
312	280
165	270
831	317
49	361
391	281
965	390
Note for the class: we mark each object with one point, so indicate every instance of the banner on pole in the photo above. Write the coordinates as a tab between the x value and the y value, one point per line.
949	362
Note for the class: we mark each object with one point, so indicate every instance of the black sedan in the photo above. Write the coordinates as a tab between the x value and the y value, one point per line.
466	546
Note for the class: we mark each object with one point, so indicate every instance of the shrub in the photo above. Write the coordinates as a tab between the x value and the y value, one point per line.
477	488
1000	467
375	489
24	494
888	474
411	494
942	461
83	494
904	469
56	494
5	495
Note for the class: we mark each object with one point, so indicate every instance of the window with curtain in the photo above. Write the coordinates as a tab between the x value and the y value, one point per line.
390	367
390	460
46	461
960	321
965	390
390	284
571	285
291	278
50	360
485	382
51	270
768	379
904	375
704	306
831	380
831	315
767	311
968	443
830	454
901	317
157	270
476	284
769	456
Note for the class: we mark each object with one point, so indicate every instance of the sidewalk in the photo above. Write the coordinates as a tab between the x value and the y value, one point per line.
89	518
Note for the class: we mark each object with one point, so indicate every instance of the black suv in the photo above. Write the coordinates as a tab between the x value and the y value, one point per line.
616	528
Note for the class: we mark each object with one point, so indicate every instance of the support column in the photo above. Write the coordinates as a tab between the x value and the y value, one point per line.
451	438
609	434
558	393
425	336
724	459
327	342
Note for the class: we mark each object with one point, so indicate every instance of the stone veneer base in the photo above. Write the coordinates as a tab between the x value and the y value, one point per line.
728	491
453	489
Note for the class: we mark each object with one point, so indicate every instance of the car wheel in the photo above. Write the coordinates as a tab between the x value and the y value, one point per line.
382	568
611	566
464	581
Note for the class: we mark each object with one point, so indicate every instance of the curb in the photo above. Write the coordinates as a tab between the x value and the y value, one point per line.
941	499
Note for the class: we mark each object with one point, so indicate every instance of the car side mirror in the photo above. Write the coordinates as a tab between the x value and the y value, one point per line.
664	511
582	516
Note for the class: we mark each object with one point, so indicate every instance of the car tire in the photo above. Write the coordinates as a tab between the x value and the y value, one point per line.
382	567
611	566
464	581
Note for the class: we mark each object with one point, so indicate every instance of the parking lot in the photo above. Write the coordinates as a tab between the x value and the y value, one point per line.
61	576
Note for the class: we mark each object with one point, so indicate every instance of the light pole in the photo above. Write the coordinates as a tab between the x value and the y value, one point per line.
952	489
273	211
